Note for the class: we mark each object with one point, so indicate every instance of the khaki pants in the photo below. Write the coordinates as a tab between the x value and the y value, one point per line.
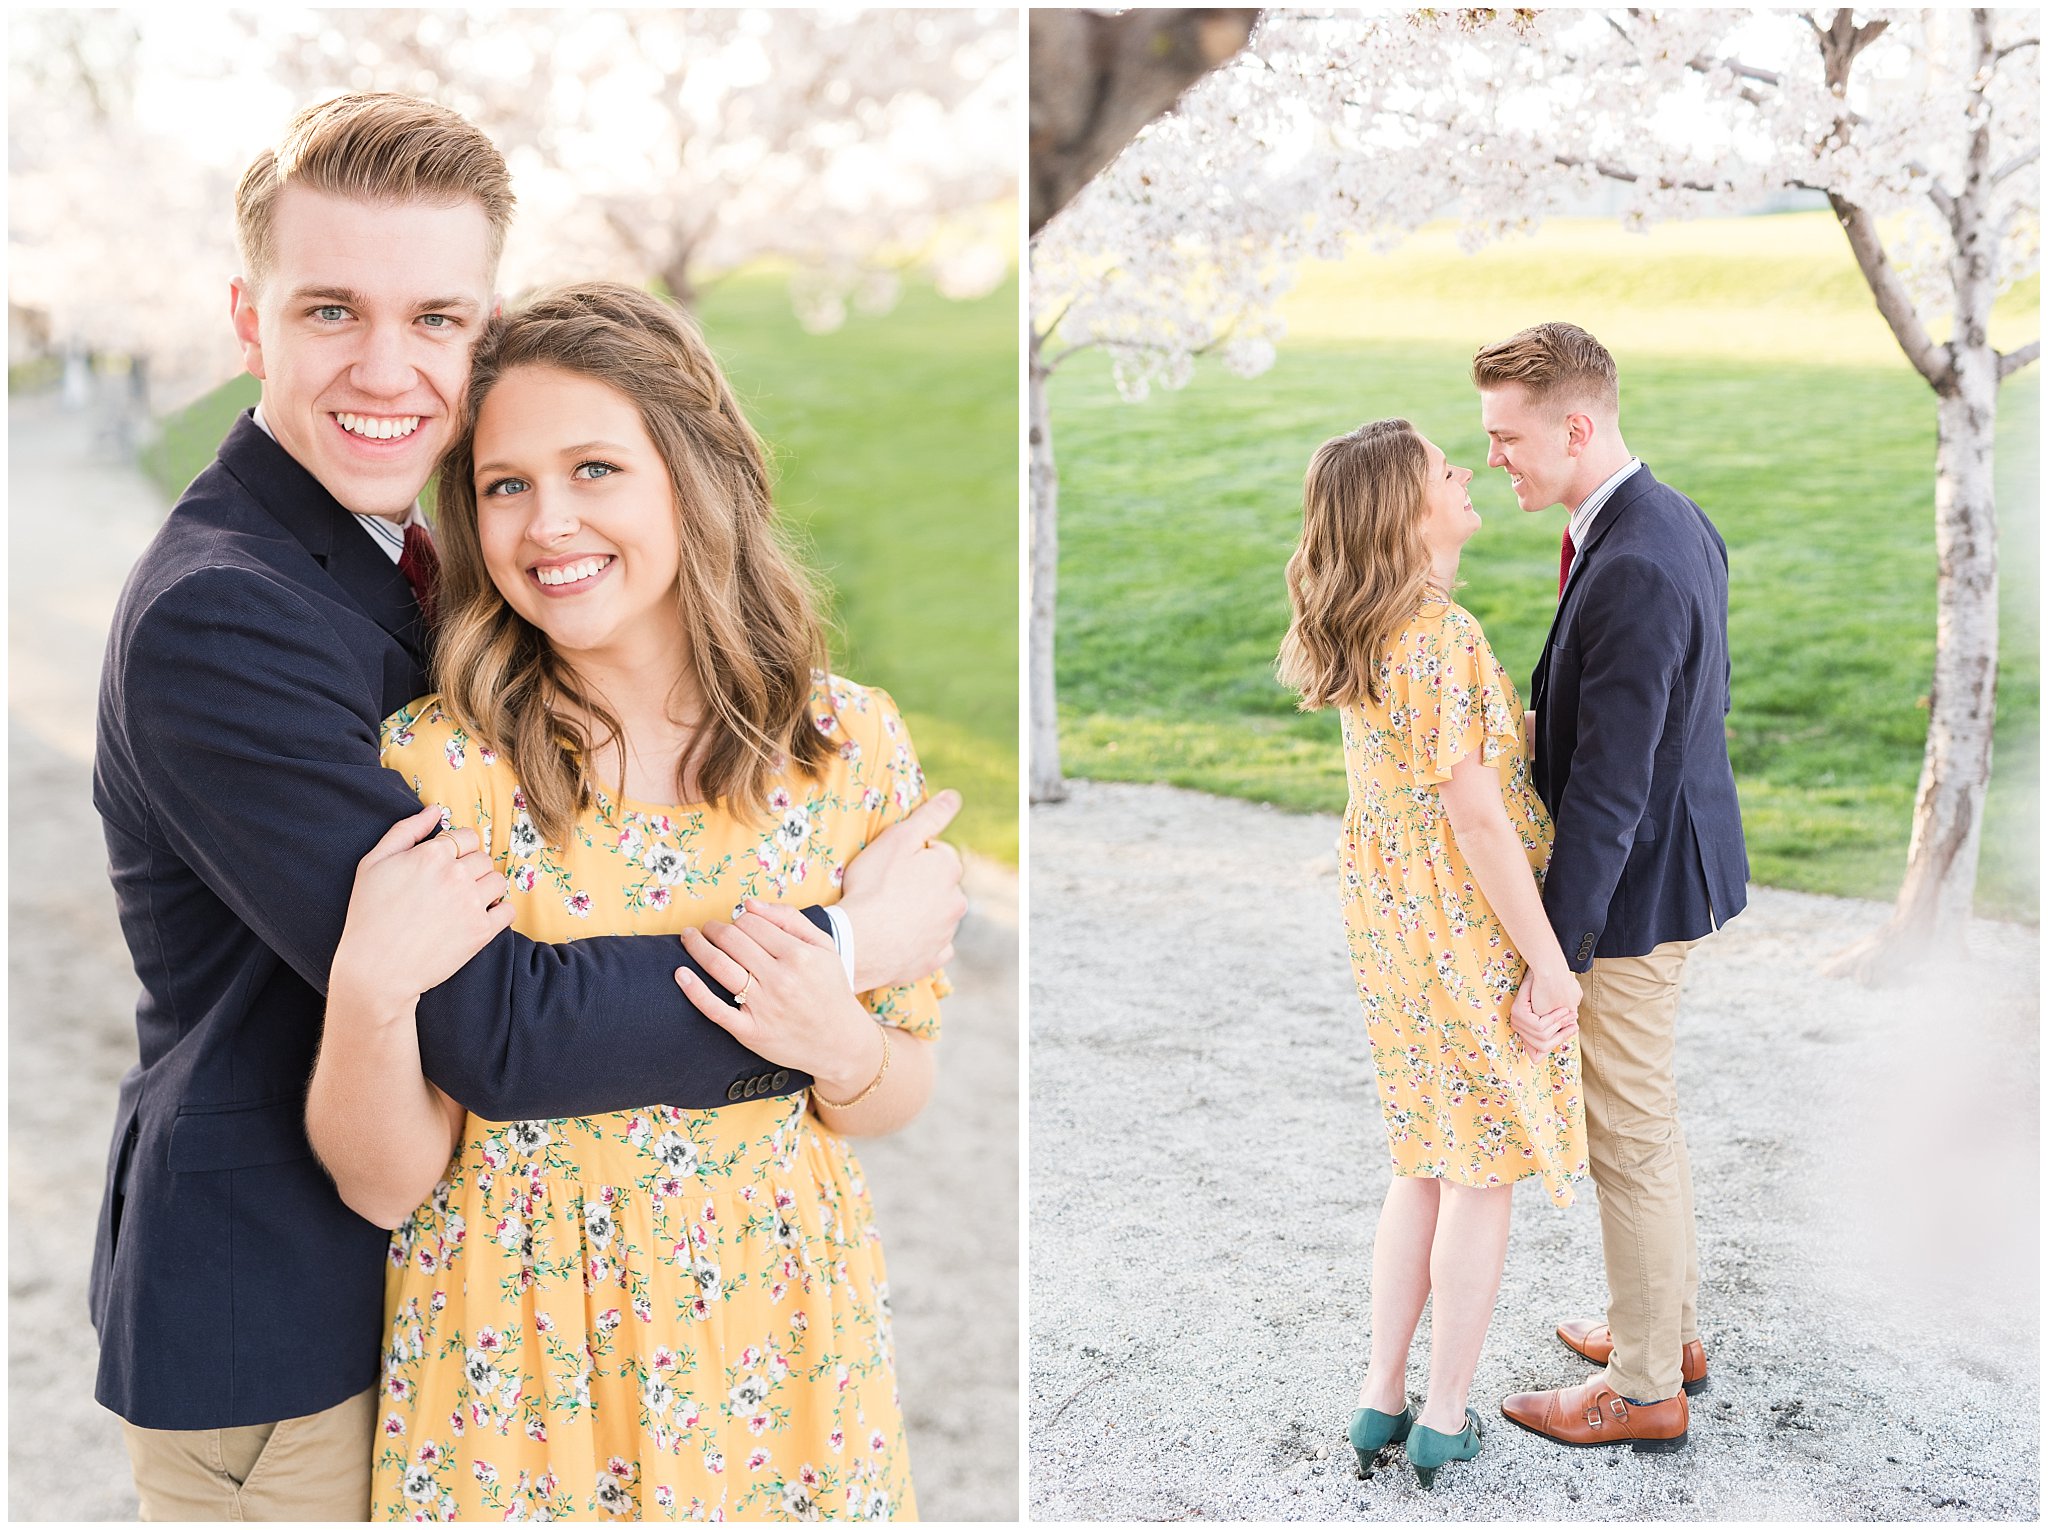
315	1467
1627	1022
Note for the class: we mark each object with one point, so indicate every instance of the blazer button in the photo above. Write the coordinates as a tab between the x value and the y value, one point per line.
780	1081
1586	948
732	1093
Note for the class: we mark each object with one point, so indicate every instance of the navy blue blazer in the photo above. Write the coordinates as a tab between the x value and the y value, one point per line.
259	642
1631	698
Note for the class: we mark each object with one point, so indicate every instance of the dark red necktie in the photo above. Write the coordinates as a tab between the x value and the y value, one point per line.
421	566
1564	558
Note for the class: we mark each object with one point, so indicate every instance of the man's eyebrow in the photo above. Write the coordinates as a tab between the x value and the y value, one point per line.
349	297
345	295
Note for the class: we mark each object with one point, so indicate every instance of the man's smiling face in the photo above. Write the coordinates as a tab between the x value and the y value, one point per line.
1534	440
361	333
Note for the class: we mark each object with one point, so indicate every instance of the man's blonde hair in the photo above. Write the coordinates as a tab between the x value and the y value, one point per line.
1558	363
373	148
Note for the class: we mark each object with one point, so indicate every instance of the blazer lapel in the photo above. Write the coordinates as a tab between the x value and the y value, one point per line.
1638	484
317	521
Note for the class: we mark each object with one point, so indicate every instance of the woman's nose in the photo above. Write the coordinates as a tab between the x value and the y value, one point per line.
551	518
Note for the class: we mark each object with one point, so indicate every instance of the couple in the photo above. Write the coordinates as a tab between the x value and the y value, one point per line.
634	1271
1521	987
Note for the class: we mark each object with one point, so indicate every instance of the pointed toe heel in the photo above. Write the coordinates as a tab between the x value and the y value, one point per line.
1429	1450
1373	1433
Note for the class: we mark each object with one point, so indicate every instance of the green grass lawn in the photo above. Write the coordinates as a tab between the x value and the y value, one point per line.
896	441
1810	447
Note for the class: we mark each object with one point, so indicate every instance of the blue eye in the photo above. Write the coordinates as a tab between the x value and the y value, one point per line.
593	470
505	486
331	313
438	320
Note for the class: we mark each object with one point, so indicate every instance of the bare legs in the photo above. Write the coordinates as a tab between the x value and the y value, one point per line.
1448	1241
1400	1285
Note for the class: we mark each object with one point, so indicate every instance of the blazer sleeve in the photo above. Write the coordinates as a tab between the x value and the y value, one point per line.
265	780
1632	625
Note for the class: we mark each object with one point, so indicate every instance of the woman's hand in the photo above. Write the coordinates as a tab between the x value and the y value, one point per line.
798	1009
421	908
1553	988
1545	1014
903	897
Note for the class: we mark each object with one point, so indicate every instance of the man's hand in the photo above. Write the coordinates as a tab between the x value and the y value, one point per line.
1544	1032
903	895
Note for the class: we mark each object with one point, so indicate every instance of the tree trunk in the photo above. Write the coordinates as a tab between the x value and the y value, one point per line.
1932	915
1046	784
1097	79
1933	911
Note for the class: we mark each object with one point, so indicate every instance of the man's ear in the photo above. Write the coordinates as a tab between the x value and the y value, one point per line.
1578	432
242	312
497	305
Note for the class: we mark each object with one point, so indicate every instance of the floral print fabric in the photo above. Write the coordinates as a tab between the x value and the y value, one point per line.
1436	974
655	1313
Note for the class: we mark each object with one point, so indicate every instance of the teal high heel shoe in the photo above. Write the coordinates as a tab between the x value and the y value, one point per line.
1429	1449
1374	1432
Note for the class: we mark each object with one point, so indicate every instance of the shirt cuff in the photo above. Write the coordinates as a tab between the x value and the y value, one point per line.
842	937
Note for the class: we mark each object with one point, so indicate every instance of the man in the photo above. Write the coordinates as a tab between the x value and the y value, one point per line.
1629	703
272	623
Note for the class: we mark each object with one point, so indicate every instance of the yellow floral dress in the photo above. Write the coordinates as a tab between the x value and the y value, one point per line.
1436	974
657	1313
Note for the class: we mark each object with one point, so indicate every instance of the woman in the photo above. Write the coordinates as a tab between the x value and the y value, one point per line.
657	1312
1444	840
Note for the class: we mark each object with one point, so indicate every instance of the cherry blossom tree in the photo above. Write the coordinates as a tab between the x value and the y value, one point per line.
1921	129
854	149
676	145
1097	78
117	241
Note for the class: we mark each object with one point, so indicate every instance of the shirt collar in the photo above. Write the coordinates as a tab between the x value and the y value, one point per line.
1590	508
389	535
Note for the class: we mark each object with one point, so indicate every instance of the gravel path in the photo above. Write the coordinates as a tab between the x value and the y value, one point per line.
945	1190
1207	1162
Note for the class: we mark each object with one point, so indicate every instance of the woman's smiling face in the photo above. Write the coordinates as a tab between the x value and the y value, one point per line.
576	514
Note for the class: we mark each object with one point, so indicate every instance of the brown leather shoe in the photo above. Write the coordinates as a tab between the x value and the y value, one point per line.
1596	1343
1593	1413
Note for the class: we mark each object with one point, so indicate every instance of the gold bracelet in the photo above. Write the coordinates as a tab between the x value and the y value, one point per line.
871	1088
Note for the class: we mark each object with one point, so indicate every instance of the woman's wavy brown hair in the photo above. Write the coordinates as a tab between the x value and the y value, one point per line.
1362	570
749	614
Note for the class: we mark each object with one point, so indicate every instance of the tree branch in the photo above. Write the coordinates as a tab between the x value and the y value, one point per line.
1614	172
1943	200
2014	47
1931	361
1701	64
2011	361
2016	164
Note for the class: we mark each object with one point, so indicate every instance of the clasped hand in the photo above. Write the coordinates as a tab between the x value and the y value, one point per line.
420	909
1545	1014
799	1010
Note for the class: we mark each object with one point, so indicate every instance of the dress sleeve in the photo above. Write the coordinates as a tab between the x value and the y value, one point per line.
442	763
1447	697
891	785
